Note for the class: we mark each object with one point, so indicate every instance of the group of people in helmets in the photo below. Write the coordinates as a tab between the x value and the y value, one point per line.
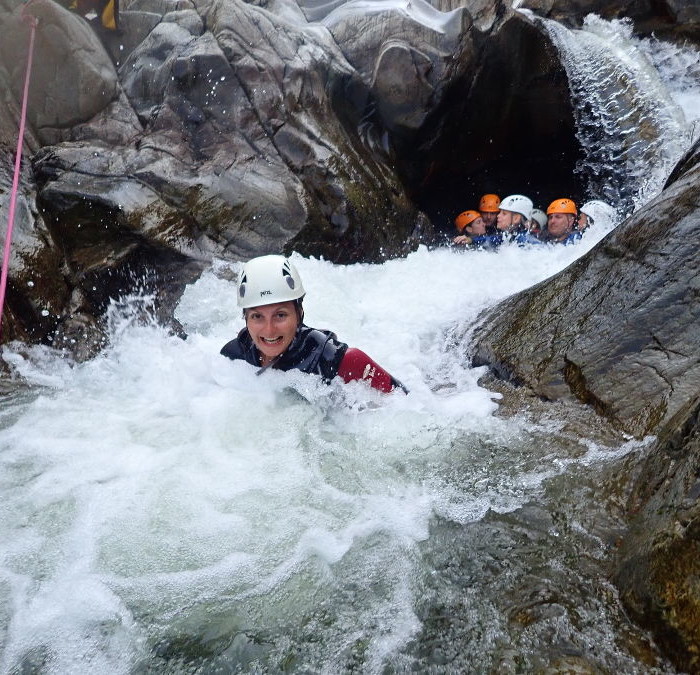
514	218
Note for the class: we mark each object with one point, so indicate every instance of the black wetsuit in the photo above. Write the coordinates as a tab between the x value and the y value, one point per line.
311	351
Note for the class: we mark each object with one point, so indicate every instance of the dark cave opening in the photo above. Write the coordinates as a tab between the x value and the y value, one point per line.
505	126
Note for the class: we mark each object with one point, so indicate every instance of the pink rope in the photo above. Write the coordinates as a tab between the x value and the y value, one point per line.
18	160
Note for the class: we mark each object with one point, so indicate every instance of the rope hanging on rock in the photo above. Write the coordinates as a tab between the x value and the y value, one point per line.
18	159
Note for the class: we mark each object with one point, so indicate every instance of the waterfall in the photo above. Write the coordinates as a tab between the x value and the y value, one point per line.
630	123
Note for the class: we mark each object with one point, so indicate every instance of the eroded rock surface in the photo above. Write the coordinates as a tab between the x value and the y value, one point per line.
659	562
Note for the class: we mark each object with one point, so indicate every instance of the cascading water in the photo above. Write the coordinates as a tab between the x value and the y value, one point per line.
164	510
630	109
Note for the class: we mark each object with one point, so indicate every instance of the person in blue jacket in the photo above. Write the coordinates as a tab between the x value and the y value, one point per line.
513	220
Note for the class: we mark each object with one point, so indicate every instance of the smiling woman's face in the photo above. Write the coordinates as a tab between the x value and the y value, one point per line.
272	328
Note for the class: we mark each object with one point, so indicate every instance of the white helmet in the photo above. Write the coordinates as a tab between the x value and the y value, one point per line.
540	217
517	204
599	213
267	280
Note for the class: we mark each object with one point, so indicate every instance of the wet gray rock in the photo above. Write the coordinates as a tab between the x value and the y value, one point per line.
73	78
36	291
658	564
404	56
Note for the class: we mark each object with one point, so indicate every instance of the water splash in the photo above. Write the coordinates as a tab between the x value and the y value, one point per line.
679	68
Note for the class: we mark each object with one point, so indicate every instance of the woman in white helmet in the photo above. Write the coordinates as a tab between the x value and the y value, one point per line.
513	220
515	213
270	293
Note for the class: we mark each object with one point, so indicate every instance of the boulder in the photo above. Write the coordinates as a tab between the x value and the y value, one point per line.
403	56
72	77
249	128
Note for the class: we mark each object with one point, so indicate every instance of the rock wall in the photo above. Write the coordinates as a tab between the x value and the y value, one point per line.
658	565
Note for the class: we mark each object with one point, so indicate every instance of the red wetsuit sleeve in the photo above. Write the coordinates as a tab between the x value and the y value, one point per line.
356	365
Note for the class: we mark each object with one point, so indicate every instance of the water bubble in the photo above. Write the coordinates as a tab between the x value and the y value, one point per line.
45	312
30	284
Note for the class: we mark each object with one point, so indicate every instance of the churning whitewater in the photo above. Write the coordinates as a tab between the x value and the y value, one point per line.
162	494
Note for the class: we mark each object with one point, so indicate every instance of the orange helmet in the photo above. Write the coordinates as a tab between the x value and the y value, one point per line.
562	206
490	203
466	217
